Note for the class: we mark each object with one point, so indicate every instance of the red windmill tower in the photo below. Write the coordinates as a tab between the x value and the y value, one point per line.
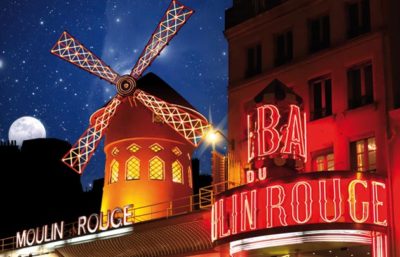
149	141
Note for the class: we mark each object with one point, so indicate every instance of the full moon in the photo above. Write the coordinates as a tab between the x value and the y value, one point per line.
26	128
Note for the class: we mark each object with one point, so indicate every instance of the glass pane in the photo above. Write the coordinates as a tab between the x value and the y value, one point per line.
360	162
372	160
371	144
330	161
320	163
360	146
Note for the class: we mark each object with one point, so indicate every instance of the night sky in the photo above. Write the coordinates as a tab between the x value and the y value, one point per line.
33	82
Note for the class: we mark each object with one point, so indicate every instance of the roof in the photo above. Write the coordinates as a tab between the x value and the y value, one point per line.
154	85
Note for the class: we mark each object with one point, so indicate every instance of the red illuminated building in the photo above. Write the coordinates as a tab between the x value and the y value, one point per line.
312	166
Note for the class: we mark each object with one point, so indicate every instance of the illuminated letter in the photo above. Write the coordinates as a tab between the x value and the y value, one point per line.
58	230
323	201
214	221
128	214
295	138
46	239
352	201
278	205
267	135
376	203
222	226
21	239
249	176
89	222
234	214
118	219
248	212
30	242
262	173
81	224
101	225
41	239
250	138
307	202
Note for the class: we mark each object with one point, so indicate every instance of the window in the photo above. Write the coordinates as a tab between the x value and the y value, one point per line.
283	48
156	147
190	179
321	97
324	162
156	167
253	61
132	169
319	33
358	18
114	167
177	174
176	151
360	88
133	148
363	154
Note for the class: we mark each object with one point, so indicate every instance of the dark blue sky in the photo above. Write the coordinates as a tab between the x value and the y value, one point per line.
35	83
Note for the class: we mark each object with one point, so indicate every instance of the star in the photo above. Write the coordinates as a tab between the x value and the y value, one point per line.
1	64
118	20
41	22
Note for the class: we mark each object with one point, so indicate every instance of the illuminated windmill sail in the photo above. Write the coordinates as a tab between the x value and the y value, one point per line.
186	122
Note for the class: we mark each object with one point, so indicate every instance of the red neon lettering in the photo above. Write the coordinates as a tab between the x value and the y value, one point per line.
234	214
248	211
352	201
295	139
323	202
221	221
278	205
296	202
267	135
250	138
376	203
214	221
262	173
250	176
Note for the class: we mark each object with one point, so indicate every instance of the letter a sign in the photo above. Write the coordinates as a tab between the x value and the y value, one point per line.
266	136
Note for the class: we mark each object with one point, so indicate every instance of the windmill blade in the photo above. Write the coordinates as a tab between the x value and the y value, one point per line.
81	152
174	18
188	123
71	50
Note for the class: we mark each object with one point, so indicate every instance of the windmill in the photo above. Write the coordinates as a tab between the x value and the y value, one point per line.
186	122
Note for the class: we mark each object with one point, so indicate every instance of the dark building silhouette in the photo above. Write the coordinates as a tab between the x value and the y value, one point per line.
38	189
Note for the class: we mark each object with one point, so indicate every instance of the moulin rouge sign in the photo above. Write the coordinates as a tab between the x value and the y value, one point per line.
305	199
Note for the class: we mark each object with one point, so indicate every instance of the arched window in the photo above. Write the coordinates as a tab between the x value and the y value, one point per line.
132	168
177	174
156	169
114	167
190	178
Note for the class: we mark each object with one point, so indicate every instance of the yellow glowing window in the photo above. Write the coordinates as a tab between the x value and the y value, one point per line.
114	167
115	151
176	151
156	169
177	175
133	148
156	147
364	154
190	181
132	168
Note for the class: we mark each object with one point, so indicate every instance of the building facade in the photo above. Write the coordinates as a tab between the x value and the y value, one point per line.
313	164
341	58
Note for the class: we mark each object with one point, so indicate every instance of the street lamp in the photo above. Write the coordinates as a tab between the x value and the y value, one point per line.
213	136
